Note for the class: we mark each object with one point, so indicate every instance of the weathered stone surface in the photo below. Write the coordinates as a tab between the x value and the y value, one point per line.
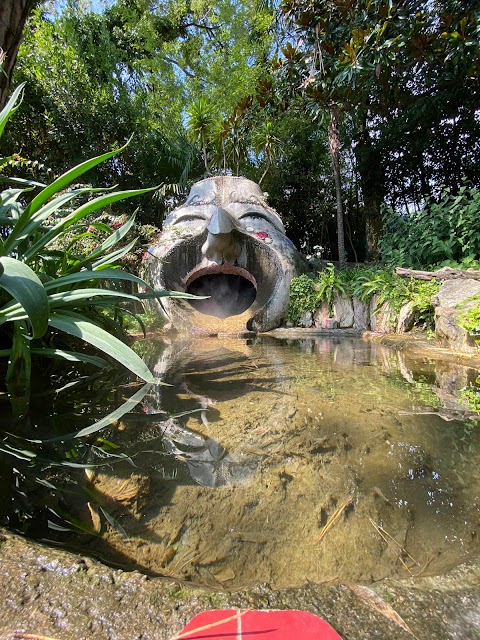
451	300
361	315
46	592
321	315
406	318
455	292
381	320
226	244
450	334
306	320
343	311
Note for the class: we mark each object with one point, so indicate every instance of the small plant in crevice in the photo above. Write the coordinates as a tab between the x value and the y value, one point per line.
471	397
470	319
331	283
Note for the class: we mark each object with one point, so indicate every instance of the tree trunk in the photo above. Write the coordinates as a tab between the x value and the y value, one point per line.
373	188
334	145
13	15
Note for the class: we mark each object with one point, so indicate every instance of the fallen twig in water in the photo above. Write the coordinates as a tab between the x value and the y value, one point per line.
187	558
210	626
387	538
422	569
334	517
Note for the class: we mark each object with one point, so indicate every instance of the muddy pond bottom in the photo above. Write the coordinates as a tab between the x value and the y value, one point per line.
317	460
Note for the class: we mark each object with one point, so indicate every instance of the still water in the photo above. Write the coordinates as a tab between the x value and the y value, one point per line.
322	459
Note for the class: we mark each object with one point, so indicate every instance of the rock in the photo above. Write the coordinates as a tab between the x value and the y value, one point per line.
224	574
361	315
330	323
342	314
382	319
453	298
450	334
343	311
321	316
306	320
455	292
406	318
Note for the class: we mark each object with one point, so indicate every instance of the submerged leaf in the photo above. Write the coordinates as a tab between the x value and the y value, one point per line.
115	524
126	407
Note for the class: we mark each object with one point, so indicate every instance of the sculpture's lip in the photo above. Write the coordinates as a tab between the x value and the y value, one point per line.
214	269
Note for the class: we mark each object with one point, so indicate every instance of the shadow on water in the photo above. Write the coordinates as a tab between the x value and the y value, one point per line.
266	460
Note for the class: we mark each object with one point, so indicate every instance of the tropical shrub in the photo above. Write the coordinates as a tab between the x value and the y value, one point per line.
444	233
306	292
303	297
331	283
44	290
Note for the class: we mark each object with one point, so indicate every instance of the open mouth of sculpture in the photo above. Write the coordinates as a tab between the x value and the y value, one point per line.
231	290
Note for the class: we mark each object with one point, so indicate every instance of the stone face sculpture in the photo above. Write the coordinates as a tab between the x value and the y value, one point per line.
226	243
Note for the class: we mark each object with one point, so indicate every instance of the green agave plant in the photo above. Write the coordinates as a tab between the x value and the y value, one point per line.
43	288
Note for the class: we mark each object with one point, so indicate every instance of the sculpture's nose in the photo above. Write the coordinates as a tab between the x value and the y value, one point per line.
221	245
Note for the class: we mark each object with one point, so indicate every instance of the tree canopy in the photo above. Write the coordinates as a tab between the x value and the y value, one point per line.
387	91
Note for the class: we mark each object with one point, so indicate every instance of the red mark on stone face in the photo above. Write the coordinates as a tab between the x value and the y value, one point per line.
262	235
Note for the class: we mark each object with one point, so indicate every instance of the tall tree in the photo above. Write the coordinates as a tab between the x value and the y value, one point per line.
367	55
13	15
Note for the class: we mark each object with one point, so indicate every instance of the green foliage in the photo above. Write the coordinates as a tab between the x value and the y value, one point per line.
303	297
382	283
470	319
442	233
397	291
331	283
306	293
44	288
200	125
421	296
471	397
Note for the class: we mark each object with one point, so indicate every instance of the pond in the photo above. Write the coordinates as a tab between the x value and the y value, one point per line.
279	461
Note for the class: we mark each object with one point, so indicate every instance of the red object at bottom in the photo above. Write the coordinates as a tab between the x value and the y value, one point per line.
257	625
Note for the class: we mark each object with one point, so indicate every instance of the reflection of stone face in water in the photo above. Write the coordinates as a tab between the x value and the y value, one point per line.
294	444
208	462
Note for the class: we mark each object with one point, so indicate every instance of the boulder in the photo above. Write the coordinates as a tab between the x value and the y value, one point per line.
450	334
361	314
455	292
343	311
306	320
406	318
382	319
321	316
453	298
